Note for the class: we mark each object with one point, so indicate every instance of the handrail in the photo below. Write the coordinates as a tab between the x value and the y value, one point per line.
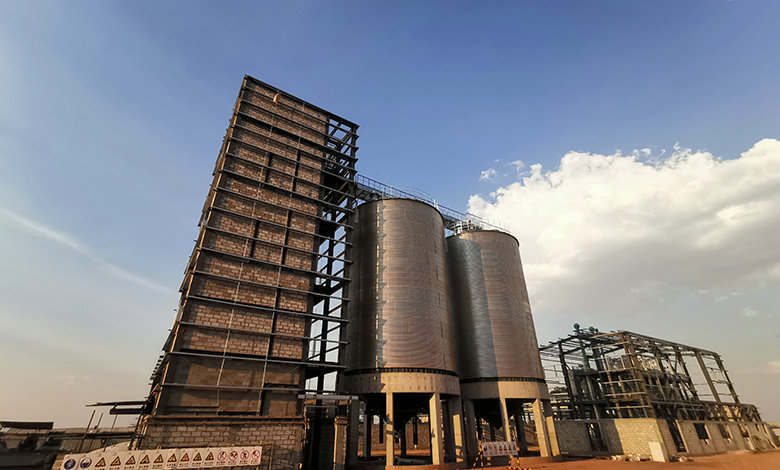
457	221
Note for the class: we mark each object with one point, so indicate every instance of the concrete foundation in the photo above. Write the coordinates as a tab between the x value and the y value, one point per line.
523	410
418	415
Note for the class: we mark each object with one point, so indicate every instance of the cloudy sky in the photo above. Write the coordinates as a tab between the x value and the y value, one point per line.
631	147
677	244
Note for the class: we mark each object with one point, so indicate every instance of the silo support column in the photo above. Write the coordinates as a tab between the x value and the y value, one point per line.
522	444
505	419
368	425
471	429
437	434
545	450
389	431
353	431
456	412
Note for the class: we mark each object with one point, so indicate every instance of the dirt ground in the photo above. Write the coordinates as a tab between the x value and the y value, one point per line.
740	460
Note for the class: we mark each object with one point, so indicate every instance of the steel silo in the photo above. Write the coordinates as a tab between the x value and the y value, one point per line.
399	306
492	315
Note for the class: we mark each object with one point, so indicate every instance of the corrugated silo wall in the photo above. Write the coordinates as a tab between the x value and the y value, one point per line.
495	330
399	310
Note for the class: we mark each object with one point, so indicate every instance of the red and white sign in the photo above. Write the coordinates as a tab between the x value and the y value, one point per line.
164	459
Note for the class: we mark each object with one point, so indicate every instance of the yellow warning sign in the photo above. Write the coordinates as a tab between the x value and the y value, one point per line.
184	458
101	463
145	460
131	460
197	457
210	456
172	458
116	461
159	459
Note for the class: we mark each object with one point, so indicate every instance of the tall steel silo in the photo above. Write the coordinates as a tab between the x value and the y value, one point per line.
495	330
400	353
399	309
498	356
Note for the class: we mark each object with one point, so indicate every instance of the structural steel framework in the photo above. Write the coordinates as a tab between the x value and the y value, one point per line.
265	289
622	374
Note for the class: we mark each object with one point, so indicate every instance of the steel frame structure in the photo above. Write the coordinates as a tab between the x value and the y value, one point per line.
622	374
335	142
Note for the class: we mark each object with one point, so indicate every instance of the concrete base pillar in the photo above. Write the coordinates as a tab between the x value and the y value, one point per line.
437	436
545	449
340	443
367	425
556	450
353	432
505	420
471	429
389	431
522	444
456	412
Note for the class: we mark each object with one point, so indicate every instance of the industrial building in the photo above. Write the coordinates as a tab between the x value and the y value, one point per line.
327	315
617	392
343	323
265	284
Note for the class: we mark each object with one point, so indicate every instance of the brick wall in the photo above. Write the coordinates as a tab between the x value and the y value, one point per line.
572	437
632	436
283	437
716	443
620	436
239	338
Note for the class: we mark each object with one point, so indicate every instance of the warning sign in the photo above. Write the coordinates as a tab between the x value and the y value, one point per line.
171	458
165	459
208	461
498	448
255	456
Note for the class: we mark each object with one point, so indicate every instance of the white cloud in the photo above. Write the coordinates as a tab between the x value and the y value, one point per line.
518	164
607	229
487	175
748	312
17	221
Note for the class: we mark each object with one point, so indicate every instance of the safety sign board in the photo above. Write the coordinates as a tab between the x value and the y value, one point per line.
165	459
498	448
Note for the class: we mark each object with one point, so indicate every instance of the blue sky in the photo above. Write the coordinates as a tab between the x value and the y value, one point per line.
112	113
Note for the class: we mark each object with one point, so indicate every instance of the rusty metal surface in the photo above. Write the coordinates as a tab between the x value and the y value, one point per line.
399	309
495	330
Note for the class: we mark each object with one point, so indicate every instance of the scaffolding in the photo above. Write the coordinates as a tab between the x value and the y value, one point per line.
621	374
